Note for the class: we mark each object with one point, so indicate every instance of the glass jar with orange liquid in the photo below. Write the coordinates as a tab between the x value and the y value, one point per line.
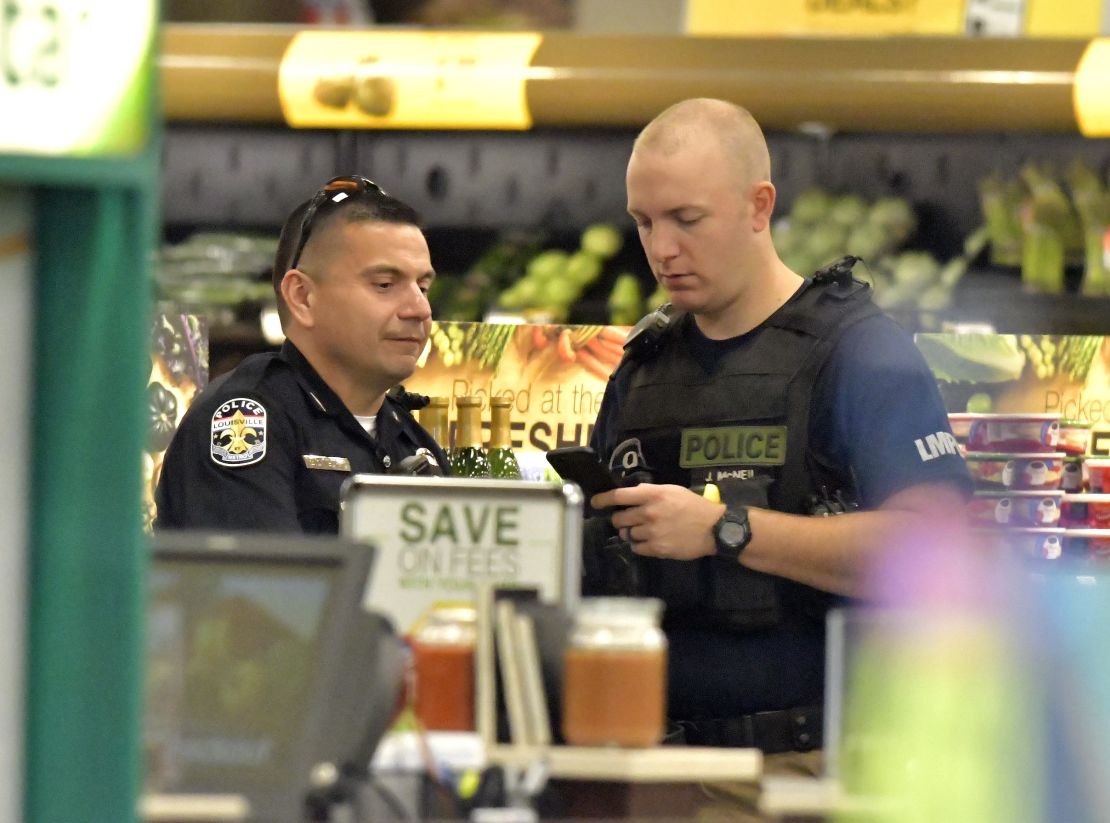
615	674
443	668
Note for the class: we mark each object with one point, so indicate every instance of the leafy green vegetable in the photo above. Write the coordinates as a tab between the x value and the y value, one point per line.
811	206
972	358
980	403
602	240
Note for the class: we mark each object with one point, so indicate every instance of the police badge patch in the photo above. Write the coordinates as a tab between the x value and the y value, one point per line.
239	433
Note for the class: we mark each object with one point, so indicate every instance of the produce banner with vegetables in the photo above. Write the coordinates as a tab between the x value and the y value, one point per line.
555	375
178	370
1022	373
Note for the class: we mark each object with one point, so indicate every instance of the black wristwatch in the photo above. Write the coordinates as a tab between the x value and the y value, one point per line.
732	533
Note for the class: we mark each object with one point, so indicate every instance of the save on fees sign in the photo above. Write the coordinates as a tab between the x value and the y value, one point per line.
75	76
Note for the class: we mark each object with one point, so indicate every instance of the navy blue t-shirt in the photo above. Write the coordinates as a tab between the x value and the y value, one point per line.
873	408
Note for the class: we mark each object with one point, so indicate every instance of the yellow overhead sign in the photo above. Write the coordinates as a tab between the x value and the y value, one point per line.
836	17
407	80
1063	18
75	76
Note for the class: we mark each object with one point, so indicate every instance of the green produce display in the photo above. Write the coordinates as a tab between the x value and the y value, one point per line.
980	403
822	227
1092	202
214	274
467	298
553	279
1043	221
1071	356
626	301
457	342
656	299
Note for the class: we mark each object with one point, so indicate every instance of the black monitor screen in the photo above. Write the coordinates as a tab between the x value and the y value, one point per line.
231	655
242	643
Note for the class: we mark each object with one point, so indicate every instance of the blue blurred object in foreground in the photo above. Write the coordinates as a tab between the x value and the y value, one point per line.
1072	640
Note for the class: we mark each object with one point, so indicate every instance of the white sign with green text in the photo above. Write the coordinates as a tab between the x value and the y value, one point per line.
75	76
439	537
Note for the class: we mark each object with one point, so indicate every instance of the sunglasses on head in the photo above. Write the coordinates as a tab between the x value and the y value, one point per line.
334	191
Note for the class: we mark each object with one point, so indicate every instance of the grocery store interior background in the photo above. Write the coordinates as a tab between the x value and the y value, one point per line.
957	146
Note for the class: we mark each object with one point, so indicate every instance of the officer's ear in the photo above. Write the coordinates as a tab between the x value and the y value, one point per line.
762	199
298	292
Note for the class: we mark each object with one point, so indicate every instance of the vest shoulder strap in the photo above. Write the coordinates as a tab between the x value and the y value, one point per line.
651	332
825	308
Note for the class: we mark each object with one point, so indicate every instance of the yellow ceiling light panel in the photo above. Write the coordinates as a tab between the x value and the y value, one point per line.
849	18
1063	18
407	80
1091	90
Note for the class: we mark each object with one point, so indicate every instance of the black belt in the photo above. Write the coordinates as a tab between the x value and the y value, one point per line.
788	730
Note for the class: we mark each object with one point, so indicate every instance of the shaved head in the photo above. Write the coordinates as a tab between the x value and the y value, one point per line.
690	123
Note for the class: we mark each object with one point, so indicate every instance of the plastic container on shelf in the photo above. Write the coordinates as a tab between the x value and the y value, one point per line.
443	667
1075	437
1098	475
993	471
1073	475
1088	545
1025	543
1015	508
1085	511
615	674
1013	432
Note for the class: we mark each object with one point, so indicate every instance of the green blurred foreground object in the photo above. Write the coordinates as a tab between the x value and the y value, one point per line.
944	702
940	724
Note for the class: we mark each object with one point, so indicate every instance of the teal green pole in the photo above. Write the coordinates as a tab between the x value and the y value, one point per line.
95	226
87	557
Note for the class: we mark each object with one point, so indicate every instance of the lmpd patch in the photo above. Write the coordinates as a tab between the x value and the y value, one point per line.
733	446
239	433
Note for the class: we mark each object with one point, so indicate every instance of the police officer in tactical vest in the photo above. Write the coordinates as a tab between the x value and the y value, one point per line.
789	398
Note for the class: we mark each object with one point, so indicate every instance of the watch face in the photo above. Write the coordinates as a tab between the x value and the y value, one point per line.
732	533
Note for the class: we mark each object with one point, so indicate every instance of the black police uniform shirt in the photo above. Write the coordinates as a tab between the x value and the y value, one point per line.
875	408
268	446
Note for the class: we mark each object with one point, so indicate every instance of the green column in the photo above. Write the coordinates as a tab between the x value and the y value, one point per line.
87	555
95	223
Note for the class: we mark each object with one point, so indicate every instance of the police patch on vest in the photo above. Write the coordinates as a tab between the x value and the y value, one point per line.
733	446
239	433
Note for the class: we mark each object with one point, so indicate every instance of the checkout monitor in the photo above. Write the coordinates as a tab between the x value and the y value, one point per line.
260	664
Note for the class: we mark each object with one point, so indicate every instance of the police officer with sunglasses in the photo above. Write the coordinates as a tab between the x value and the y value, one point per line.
268	446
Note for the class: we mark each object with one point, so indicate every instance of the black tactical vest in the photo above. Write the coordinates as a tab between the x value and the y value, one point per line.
745	427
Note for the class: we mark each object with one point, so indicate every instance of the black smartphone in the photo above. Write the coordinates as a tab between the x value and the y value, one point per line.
581	465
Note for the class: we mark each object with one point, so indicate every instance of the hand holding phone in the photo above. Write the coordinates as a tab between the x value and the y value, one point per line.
581	465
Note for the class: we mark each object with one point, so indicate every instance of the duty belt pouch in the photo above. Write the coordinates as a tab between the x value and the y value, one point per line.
743	598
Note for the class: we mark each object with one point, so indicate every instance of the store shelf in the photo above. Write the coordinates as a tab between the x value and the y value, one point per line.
921	84
923	118
995	297
563	179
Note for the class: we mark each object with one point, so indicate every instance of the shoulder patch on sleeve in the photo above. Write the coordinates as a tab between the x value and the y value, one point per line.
238	436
